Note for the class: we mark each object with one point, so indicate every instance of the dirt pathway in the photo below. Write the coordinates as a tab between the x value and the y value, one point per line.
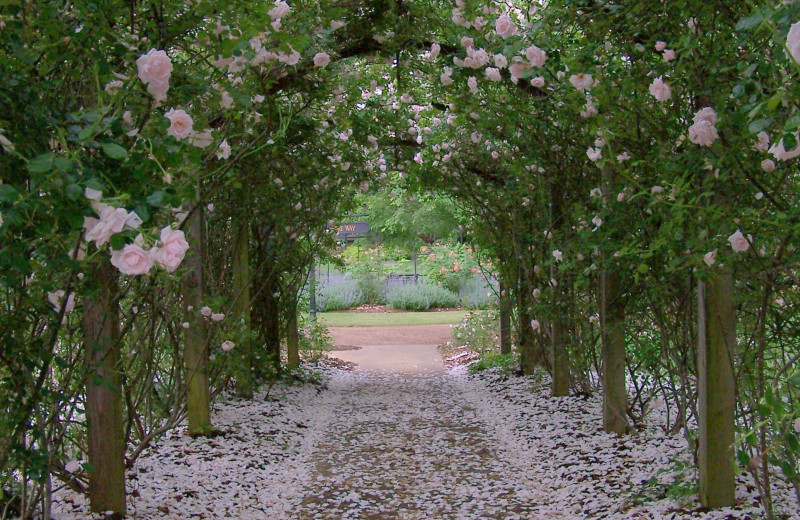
405	442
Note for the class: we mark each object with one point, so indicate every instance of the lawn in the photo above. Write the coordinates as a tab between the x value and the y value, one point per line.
389	319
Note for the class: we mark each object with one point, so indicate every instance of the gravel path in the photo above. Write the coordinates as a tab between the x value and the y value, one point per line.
410	447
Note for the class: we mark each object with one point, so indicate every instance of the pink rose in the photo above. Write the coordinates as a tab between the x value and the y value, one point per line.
518	69
217	316
581	81
493	74
227	345
738	242
706	114
322	59
535	325
280	10
660	90
660	46
154	69
173	249
703	133
202	139
793	41
224	150
112	220
778	150
668	55
132	259
536	56
180	124
537	82
505	26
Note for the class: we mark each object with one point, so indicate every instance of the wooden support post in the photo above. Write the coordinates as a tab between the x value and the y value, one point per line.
104	391
195	348
716	340
612	323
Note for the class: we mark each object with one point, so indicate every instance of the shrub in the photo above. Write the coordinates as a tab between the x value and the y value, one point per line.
480	331
420	297
507	363
478	293
339	295
315	340
369	275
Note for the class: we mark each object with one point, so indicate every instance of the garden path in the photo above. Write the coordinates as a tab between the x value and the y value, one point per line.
405	440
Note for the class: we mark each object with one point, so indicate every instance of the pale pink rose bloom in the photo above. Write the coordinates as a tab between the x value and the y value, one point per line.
581	81
180	124
710	257
669	55
280	10
472	83
793	41
466	41
500	61
624	156
227	345
706	114
224	150
738	242
763	142
594	154
132	260
202	139
321	59
537	292
660	46
173	249
446	80
127	117
537	82
435	50
92	194
227	100
493	74
660	90
154	69
112	220
778	150
217	316
518	69
597	221
703	133
596	193
558	255
656	190
536	56
206	311
797	421
620	196
768	165
504	26
535	325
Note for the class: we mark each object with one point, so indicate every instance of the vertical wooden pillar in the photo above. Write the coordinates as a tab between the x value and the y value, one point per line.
505	319
243	370
293	339
612	323
716	340
104	391
195	351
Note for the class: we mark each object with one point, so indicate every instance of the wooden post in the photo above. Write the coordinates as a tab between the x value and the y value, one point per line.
716	340
104	391
559	336
505	319
612	323
293	339
243	371
195	350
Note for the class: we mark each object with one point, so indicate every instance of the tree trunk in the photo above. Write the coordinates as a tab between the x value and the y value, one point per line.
195	350
612	323
526	342
293	339
716	399
243	371
104	391
505	319
273	332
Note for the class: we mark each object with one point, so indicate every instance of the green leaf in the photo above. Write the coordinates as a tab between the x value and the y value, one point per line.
115	151
774	101
745	24
157	199
117	241
758	125
41	163
8	193
792	124
63	164
74	191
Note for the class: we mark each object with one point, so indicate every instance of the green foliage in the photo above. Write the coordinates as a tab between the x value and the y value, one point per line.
369	275
507	363
339	296
480	331
420	297
315	340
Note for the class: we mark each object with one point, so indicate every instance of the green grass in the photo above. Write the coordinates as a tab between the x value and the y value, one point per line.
370	319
